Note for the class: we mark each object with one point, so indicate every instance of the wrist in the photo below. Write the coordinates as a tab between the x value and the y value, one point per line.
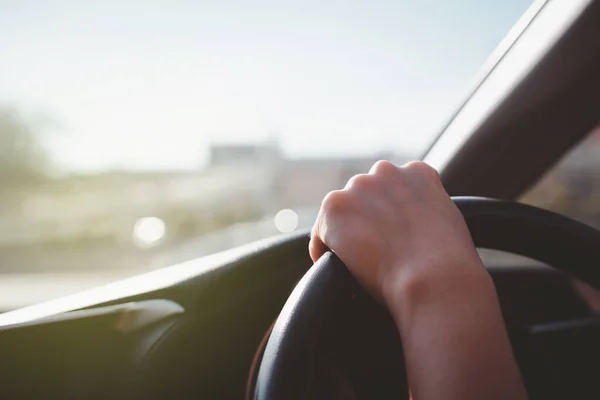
425	284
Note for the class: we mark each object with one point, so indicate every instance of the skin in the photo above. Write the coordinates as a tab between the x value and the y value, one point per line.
402	237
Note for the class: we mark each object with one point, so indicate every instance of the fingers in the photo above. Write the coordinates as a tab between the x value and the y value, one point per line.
383	168
338	203
333	205
414	170
422	173
385	186
316	248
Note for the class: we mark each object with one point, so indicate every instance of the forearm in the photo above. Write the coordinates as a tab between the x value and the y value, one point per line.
454	338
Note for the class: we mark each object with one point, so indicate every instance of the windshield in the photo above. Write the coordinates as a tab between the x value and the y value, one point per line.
135	135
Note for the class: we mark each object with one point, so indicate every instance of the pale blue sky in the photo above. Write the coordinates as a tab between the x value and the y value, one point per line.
147	84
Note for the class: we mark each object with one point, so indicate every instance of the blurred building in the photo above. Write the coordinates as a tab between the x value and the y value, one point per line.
240	183
243	154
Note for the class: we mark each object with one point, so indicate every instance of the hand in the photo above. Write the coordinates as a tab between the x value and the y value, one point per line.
393	225
402	237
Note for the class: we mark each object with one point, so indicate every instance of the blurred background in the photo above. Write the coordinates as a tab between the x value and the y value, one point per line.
135	135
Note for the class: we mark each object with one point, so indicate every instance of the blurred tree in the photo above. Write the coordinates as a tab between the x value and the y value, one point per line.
22	157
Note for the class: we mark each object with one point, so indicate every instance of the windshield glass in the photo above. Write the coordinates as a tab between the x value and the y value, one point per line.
135	135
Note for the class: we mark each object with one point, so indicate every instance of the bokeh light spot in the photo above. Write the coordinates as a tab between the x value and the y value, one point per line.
149	231
286	220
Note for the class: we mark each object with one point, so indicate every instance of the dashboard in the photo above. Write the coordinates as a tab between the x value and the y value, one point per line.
156	349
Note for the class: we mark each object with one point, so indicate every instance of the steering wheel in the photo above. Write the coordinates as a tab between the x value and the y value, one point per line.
331	334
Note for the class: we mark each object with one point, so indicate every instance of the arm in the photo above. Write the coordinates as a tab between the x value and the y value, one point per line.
402	237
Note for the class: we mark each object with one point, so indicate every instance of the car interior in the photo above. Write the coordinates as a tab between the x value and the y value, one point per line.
262	322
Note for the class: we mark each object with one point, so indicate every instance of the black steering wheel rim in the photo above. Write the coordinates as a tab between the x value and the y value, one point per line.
286	370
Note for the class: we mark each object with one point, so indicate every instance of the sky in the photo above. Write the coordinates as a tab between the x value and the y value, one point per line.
150	84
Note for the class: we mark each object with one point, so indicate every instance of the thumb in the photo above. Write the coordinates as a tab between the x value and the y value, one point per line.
316	247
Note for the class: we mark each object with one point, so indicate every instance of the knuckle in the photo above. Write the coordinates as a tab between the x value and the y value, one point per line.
335	201
383	167
360	182
423	169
